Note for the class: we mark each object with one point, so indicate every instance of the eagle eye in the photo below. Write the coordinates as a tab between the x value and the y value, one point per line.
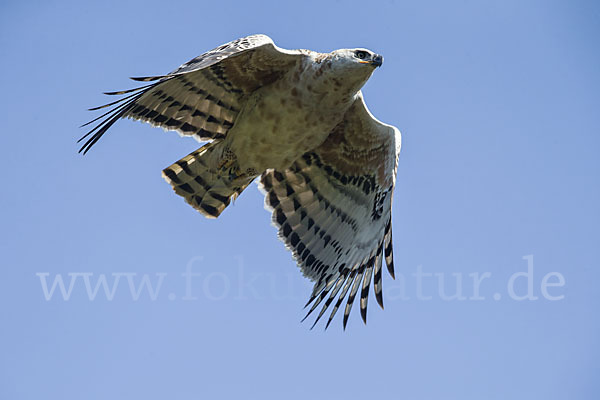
360	54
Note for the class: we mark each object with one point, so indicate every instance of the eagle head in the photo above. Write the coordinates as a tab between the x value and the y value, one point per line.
357	58
354	66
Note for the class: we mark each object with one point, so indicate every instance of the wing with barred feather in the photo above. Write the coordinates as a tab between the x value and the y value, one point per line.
333	210
202	97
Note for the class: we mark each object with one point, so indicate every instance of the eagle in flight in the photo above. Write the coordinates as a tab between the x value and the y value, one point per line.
296	119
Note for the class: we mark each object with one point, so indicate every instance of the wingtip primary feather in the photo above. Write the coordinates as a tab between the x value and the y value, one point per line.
363	314
377	278
345	321
342	296
364	294
111	117
336	288
389	251
330	284
119	92
352	295
390	268
147	78
310	300
328	323
317	302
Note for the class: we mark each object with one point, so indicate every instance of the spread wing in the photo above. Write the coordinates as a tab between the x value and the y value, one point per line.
333	210
202	97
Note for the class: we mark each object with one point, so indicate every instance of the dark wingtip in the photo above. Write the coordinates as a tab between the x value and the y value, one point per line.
306	316
314	323
120	92
310	301
390	268
363	314
146	78
379	298
83	150
88	145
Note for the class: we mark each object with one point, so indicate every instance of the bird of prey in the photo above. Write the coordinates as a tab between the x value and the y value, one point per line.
297	120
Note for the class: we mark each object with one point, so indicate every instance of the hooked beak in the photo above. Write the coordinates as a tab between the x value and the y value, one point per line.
377	61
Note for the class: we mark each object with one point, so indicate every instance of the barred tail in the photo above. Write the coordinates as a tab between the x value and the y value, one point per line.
208	190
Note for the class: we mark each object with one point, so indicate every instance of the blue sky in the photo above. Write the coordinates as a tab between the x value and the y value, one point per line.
498	105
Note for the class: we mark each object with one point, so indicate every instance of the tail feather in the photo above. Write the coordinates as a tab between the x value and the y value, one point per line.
207	189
